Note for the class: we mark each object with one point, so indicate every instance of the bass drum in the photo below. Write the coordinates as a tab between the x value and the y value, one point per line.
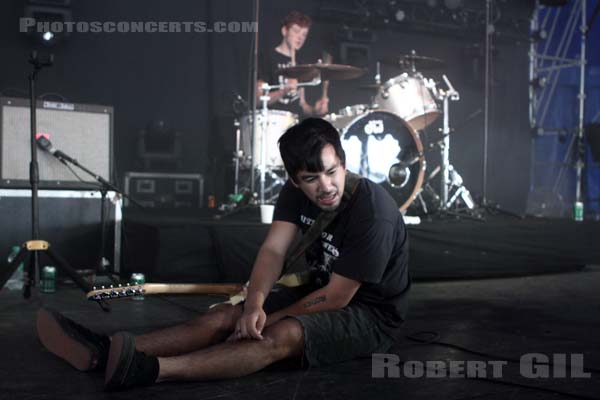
383	147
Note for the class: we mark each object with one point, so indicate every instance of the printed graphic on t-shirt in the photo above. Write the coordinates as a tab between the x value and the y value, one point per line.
290	96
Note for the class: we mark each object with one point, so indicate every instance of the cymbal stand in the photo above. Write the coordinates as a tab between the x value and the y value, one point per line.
450	178
264	124
237	156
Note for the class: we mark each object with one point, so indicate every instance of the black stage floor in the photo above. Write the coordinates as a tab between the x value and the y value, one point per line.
182	245
505	318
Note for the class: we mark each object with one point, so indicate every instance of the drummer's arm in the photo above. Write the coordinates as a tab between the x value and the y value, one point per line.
275	95
321	107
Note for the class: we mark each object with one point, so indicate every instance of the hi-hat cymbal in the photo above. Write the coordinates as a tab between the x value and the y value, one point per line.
414	62
333	72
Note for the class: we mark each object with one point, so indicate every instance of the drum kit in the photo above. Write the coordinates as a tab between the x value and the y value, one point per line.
381	137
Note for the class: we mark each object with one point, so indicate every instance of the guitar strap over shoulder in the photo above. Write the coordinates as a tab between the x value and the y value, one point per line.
298	278
322	222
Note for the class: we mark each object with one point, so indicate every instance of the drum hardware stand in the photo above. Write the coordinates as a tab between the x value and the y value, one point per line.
237	156
36	245
449	176
264	98
374	104
427	187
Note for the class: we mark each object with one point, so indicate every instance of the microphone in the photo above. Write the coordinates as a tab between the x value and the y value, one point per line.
46	145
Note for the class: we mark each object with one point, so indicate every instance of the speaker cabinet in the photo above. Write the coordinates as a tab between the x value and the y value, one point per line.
162	190
82	131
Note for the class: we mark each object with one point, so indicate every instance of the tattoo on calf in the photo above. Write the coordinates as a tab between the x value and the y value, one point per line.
314	301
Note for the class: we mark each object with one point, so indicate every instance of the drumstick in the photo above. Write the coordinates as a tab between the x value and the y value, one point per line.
327	58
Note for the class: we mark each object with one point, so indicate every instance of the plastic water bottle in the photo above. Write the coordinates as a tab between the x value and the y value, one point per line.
16	280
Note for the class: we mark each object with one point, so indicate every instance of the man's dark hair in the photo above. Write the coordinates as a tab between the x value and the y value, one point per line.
298	18
301	145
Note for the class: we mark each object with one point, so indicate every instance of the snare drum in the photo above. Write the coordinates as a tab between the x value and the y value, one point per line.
409	97
278	122
379	140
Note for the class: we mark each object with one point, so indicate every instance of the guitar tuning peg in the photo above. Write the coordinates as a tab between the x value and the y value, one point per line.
94	288
111	286
103	287
120	285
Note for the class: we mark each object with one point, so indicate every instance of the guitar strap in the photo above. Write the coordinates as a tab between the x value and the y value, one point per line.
293	260
322	222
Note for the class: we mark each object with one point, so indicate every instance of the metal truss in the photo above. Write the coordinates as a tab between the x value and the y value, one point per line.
550	44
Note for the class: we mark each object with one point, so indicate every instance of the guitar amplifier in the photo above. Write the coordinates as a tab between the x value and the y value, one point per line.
83	131
165	190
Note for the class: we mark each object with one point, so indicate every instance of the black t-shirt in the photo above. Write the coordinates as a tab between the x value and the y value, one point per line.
366	242
269	63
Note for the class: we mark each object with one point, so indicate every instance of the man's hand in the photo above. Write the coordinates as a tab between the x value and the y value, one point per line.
249	325
291	86
322	106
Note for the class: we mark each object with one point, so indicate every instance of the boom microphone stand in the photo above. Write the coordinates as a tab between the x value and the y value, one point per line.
105	186
36	245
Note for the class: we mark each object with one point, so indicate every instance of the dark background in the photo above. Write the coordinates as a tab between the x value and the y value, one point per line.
188	79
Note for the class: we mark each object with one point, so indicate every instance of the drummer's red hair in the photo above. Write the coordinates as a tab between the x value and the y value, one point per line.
298	18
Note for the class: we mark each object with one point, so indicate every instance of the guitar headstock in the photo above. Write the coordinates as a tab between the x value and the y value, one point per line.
112	292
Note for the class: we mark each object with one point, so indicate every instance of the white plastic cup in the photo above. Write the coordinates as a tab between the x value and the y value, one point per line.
266	213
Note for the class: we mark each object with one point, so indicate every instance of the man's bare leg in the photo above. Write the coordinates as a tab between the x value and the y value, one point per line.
212	327
283	339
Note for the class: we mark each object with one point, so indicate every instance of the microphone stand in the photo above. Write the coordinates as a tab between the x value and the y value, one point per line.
105	186
35	245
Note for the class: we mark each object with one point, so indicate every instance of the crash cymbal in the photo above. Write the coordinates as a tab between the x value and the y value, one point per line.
334	72
303	73
414	62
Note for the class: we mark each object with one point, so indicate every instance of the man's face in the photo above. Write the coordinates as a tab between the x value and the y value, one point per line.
294	36
324	188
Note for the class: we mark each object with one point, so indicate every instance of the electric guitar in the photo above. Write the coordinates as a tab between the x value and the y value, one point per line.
235	291
128	290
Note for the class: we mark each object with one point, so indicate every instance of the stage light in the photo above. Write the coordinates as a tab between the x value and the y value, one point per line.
51	15
538	35
538	82
48	36
400	15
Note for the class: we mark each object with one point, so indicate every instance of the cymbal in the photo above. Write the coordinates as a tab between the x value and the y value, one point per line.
414	62
333	72
303	73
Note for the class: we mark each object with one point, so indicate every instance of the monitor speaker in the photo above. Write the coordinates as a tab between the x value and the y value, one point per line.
82	131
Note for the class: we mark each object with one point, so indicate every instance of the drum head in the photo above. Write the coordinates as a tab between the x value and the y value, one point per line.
380	140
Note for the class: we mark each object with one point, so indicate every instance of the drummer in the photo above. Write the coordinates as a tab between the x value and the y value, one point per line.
294	30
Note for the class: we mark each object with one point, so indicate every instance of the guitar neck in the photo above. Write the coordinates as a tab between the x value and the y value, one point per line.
191	288
164	288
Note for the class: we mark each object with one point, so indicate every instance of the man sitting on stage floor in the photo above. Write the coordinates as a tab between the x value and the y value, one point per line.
353	305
